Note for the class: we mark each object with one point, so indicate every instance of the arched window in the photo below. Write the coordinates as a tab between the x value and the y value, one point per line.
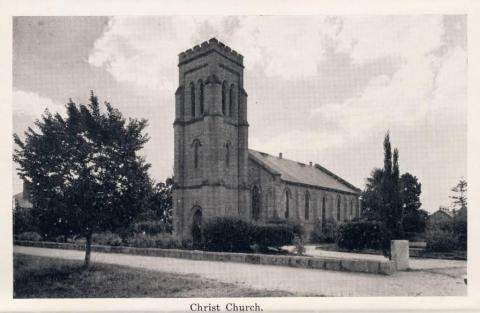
351	209
307	205
345	210
201	98
230	101
323	212
224	97
339	206
196	146
287	203
227	153
192	98
256	202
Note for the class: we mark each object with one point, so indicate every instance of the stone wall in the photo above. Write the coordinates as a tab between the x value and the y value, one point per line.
334	264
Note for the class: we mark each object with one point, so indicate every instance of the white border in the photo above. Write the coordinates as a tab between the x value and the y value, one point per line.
238	7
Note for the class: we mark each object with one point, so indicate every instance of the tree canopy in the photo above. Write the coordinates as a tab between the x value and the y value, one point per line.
84	169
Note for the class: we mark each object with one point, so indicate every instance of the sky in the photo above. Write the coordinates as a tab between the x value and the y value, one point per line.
324	89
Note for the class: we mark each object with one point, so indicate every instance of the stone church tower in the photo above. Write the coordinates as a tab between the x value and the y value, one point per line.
210	138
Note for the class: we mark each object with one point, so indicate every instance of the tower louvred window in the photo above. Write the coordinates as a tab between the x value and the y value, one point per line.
192	98
224	98
201	97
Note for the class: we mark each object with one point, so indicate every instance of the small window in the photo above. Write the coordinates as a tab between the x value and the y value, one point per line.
323	212
339	206
196	146
224	97
307	206
192	98
256	202
201	98
287	203
230	101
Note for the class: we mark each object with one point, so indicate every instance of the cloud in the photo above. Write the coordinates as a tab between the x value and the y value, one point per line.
427	82
411	66
144	50
33	105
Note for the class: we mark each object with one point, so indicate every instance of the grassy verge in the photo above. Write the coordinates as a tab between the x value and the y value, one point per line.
43	277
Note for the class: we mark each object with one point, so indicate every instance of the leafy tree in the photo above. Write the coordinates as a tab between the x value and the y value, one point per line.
161	202
460	203
460	195
371	196
84	170
414	219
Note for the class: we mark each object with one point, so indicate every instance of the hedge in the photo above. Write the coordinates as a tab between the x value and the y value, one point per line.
235	235
360	235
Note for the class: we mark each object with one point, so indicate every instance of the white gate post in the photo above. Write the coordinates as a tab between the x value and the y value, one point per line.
400	254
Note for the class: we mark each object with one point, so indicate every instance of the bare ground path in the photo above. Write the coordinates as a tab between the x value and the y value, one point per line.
428	277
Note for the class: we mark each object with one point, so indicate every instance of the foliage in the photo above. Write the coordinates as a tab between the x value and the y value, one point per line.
162	241
107	239
227	234
382	197
24	219
360	235
459	197
415	222
235	235
29	236
299	245
152	227
274	235
84	169
440	240
324	233
159	206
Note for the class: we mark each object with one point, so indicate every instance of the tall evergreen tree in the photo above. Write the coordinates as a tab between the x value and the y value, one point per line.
85	171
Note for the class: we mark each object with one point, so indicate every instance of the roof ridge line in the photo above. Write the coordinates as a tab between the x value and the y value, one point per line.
338	178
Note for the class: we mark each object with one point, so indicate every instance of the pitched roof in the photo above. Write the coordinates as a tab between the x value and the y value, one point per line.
22	202
444	211
297	172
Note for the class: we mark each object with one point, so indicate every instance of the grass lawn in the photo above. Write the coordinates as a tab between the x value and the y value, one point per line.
44	277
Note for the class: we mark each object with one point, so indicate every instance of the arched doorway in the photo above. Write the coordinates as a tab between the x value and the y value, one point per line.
197	227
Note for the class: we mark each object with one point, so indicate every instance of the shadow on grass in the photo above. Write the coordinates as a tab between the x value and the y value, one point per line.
44	277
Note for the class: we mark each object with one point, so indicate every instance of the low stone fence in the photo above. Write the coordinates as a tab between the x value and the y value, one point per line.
385	267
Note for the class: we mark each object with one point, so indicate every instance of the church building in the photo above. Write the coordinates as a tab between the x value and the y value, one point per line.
215	172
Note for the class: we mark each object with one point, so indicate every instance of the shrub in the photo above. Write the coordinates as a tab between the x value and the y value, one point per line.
29	236
150	227
235	235
106	238
273	235
360	235
162	241
439	240
460	229
299	245
227	234
327	234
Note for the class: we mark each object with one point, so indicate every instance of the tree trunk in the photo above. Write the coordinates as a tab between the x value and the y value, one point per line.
88	249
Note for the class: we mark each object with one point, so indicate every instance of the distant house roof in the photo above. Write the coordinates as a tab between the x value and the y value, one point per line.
22	202
300	173
443	211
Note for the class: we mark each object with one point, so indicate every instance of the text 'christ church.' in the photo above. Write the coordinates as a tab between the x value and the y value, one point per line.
214	171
